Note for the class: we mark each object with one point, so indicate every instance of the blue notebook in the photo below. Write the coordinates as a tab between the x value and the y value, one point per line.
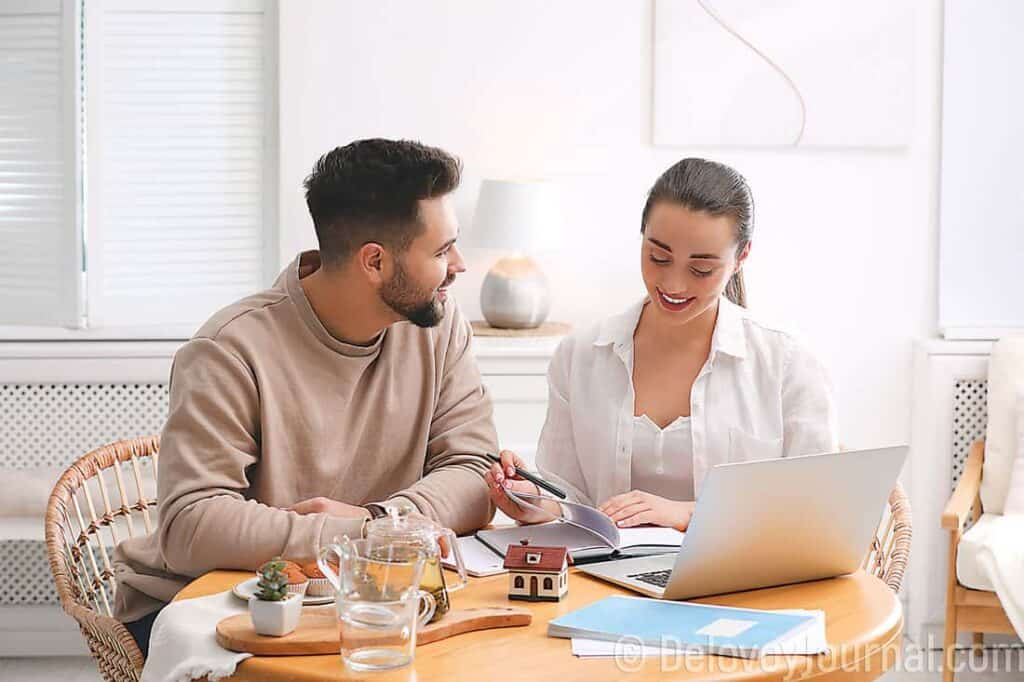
712	629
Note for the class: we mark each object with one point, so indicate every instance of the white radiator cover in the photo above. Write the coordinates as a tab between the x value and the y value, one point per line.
54	424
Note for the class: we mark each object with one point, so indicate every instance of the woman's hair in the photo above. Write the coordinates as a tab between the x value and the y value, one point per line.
716	189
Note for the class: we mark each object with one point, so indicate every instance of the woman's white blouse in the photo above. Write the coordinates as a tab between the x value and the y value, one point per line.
662	461
759	395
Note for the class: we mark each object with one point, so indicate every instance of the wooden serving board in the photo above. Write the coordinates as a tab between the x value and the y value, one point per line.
317	632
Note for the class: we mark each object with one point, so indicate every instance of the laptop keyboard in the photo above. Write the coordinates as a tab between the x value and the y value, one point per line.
656	578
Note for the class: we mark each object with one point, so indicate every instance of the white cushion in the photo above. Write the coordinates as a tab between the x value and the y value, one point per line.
968	569
1015	491
26	491
1005	382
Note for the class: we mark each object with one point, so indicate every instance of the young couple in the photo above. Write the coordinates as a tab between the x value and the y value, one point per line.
297	412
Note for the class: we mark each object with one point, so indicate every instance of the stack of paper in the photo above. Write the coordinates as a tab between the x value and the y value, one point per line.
651	626
480	560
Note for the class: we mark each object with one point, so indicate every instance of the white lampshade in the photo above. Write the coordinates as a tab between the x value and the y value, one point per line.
522	216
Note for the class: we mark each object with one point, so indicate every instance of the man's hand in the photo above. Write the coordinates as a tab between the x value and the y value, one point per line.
637	508
325	505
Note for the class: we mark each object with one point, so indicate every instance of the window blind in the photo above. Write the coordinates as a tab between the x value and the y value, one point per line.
180	176
40	245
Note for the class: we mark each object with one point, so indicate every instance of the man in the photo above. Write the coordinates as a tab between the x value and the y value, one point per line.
296	411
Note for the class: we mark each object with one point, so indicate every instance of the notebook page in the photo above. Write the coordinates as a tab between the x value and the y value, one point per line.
576	514
479	559
554	534
649	535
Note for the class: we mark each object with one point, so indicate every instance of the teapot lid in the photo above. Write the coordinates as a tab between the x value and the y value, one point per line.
401	521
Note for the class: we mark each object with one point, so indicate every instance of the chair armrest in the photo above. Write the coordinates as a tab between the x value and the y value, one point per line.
966	492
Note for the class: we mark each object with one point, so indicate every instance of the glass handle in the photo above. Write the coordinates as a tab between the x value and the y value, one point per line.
325	566
460	564
427	607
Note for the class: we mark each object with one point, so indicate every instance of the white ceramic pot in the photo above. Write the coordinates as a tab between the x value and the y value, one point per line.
276	618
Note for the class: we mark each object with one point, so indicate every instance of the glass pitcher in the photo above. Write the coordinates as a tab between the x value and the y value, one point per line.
403	524
379	602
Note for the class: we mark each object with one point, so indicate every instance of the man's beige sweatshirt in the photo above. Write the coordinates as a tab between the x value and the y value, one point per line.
268	409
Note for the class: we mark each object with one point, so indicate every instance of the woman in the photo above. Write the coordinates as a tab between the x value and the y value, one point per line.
642	405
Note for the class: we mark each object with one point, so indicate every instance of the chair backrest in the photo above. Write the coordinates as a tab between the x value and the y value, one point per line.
890	548
1005	373
103	498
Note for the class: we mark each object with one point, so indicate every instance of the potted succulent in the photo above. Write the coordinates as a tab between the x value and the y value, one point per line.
275	611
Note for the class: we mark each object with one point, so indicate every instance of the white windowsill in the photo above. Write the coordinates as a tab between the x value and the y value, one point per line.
954	333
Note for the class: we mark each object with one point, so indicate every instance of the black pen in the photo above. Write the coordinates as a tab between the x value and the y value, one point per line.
536	480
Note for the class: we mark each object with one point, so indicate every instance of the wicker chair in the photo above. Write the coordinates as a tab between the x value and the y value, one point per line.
890	548
82	527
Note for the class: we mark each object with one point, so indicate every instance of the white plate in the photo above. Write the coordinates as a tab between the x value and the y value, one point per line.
247	588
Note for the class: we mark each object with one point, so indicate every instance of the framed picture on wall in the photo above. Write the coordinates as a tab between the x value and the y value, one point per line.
809	73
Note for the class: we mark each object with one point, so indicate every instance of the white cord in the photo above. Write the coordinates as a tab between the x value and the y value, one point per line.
803	107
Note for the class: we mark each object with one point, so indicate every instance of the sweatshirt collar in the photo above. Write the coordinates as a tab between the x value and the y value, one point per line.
305	263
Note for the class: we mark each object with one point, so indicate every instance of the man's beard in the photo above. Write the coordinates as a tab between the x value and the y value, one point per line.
416	305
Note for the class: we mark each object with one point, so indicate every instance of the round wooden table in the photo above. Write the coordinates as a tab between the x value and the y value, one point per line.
864	623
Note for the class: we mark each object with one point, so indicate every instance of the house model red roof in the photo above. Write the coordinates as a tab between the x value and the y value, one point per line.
535	558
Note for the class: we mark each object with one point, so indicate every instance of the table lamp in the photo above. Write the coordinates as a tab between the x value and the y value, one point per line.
519	217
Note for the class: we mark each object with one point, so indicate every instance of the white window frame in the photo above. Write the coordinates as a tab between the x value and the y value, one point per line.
271	244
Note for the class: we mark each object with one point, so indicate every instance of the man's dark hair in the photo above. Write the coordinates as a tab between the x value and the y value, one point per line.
367	191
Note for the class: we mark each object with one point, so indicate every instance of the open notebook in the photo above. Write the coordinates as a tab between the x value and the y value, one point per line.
588	534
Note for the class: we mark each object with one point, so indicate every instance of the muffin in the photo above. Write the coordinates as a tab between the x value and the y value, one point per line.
297	580
319	586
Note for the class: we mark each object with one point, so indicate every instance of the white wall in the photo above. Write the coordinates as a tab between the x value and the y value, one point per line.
845	242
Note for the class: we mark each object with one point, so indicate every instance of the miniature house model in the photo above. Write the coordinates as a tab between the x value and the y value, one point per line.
537	573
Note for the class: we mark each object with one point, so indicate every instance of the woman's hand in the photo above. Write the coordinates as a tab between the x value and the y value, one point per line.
637	508
502	476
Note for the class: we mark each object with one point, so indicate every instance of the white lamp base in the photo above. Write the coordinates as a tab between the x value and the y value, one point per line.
515	294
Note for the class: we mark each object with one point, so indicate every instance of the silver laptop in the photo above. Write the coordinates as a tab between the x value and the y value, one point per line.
770	522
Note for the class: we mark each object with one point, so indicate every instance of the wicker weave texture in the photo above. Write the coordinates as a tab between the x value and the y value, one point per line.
889	552
100	500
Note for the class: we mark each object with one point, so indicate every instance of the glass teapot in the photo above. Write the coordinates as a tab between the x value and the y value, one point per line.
403	525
